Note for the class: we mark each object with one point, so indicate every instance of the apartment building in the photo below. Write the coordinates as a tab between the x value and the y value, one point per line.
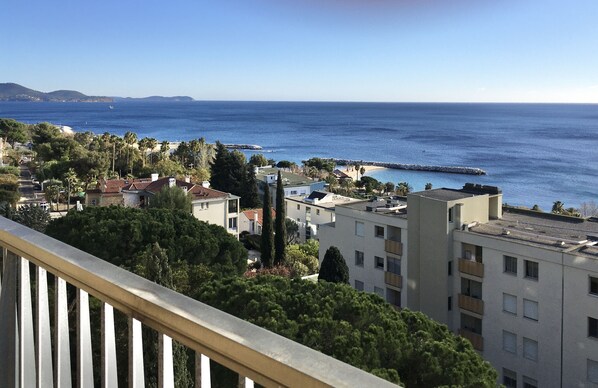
311	211
294	184
522	286
372	237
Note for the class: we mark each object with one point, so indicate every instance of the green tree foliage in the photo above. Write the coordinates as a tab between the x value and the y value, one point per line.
286	164
292	230
302	260
267	244
368	183
320	164
280	236
251	197
9	189
10	170
334	268
404	188
13	131
172	198
118	234
258	160
355	327
428	186
389	187
32	216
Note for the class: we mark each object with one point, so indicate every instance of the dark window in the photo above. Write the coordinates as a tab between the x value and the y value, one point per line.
592	327
232	206
531	269
593	285
509	378
379	231
450	303
529	383
359	258
450	268
510	265
379	262
450	215
393	265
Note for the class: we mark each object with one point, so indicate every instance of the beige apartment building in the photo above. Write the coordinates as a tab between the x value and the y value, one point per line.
522	286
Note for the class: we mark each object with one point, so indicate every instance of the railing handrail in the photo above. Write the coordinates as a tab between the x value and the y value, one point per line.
252	351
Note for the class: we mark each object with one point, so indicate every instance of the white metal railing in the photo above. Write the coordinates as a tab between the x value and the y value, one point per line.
26	355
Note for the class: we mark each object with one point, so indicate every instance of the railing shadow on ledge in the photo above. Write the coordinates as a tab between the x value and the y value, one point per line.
26	348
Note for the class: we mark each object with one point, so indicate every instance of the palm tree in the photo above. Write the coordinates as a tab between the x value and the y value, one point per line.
143	145
130	139
164	148
152	144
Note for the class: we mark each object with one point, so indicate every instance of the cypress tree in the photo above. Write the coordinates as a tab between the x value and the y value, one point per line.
280	236
267	232
334	268
251	197
220	169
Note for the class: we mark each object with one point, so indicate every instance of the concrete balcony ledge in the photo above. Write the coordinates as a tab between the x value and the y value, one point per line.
471	267
394	247
471	304
256	353
393	279
477	341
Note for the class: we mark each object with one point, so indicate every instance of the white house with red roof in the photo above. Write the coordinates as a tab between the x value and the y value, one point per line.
252	220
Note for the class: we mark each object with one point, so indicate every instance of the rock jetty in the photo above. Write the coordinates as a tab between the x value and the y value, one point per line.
243	147
414	167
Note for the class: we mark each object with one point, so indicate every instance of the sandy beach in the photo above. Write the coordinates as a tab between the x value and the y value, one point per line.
350	170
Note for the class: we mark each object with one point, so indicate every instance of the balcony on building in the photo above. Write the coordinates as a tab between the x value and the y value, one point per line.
470	298
38	351
471	261
471	329
394	247
393	279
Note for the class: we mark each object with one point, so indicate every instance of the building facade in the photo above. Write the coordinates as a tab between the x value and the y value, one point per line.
309	212
294	184
521	285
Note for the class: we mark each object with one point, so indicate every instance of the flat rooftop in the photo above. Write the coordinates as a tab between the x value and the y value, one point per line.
443	194
398	207
543	229
289	178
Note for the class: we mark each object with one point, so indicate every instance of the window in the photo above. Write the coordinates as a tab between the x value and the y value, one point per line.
529	383
233	206
509	303
293	192
450	303
509	342
379	291
379	262
298	207
592	327
359	229
359	258
358	285
93	202
593	286
531	269
393	265
450	268
308	210
317	212
509	378
530	309
393	297
530	349
232	223
510	265
298	219
592	371
379	231
450	214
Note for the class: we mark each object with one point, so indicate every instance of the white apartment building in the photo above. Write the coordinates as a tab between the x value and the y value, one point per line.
311	211
522	286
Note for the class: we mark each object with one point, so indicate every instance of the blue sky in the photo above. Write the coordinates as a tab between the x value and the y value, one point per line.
333	50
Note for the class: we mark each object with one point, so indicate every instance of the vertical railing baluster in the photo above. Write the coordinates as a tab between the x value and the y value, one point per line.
25	311
109	371
9	331
62	343
43	356
202	371
245	382
84	354
136	374
165	363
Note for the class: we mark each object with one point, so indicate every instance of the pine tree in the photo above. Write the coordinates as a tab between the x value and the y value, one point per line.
267	232
334	268
251	198
220	168
280	236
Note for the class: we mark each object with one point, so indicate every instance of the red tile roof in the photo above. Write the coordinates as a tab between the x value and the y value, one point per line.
260	215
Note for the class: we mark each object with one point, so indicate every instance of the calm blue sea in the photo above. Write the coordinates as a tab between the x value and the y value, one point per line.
537	153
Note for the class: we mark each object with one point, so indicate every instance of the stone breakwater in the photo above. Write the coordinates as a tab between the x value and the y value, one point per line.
414	167
243	147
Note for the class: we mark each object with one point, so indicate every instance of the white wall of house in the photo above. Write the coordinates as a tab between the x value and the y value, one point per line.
308	215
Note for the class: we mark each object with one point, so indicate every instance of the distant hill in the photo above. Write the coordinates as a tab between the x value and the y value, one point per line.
16	92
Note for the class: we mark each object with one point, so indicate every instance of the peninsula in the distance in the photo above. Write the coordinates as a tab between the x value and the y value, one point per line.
16	92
